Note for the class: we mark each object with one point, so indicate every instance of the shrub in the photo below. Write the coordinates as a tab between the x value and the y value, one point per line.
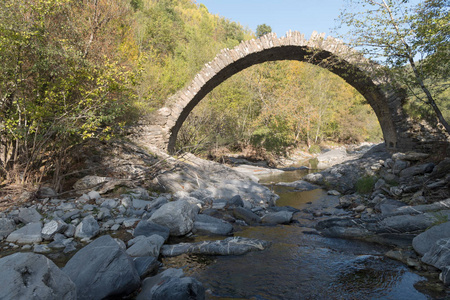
314	149
365	184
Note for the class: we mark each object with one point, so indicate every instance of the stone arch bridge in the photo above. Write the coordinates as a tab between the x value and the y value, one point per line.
161	128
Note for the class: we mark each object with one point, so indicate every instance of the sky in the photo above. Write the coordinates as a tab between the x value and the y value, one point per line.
280	15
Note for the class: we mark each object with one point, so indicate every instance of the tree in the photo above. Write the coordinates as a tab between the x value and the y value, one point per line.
393	32
262	30
61	81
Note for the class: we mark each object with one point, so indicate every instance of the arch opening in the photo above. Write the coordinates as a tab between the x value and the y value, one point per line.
328	53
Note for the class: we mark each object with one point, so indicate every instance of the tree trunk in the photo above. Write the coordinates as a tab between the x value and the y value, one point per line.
430	99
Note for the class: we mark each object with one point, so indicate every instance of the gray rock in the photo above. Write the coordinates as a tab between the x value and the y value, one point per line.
89	183
442	169
157	203
201	194
53	227
130	222
396	191
150	284
147	228
185	288
104	214
41	248
88	228
423	242
140	204
389	163
59	244
102	269
219	180
33	276
146	246
228	246
70	215
300	185
399	165
439	255
178	216
29	234
333	193
94	195
407	223
46	192
140	193
235	201
205	223
379	184
333	156
417	170
445	275
6	227
280	217
110	203
29	215
246	215
146	265
70	231
440	206
343	228
410	156
388	207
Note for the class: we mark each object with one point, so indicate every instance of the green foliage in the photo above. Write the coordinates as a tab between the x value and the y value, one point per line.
58	85
263	29
365	184
396	33
281	104
273	138
314	149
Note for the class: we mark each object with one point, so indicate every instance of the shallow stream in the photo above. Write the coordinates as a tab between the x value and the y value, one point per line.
302	265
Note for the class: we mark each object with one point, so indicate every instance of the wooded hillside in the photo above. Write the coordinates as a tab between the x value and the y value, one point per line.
75	70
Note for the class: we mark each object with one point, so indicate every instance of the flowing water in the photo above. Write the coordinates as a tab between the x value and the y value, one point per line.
301	265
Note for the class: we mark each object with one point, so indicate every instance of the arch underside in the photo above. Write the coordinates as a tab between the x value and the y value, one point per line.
375	94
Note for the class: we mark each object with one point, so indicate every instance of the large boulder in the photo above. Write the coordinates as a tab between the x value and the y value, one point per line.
29	215
184	288
147	228
53	227
423	242
439	254
178	216
102	269
205	223
229	246
407	223
279	217
171	284
33	276
332	157
146	265
246	215
29	234
150	284
417	170
146	246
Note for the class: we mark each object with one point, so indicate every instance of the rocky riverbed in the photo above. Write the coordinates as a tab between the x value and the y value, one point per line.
107	244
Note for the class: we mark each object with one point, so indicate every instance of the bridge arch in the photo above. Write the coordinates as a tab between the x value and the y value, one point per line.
328	53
